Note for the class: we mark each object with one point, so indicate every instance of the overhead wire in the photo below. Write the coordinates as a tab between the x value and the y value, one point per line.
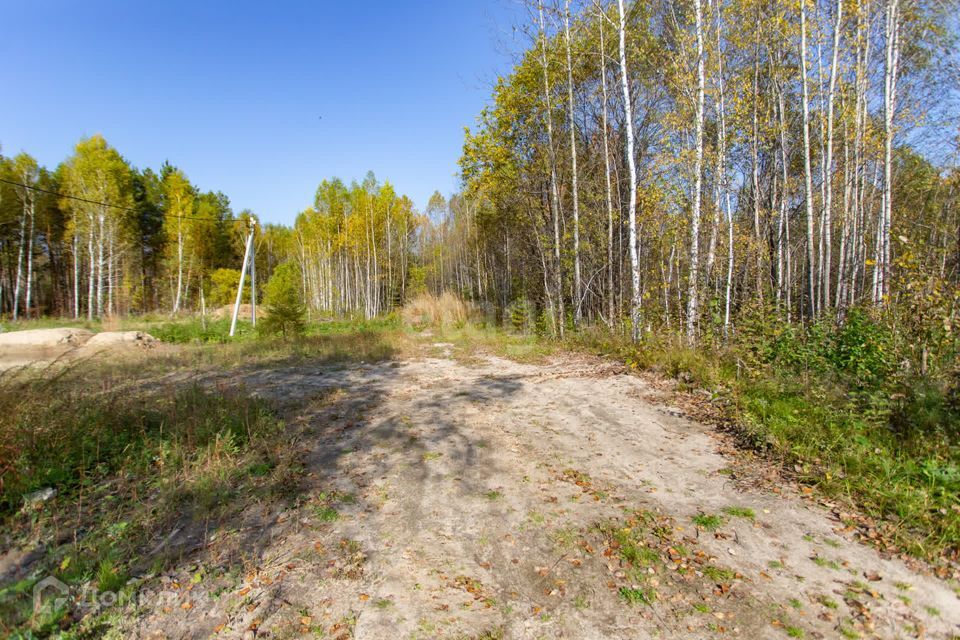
107	204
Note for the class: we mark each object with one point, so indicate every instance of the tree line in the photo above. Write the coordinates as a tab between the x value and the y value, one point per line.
97	237
676	164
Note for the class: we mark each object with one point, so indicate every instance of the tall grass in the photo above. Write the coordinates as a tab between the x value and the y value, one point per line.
437	311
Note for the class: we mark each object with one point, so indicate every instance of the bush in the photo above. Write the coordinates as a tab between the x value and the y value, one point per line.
864	350
286	312
223	287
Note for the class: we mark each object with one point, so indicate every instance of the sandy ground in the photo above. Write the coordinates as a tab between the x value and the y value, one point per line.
477	501
39	347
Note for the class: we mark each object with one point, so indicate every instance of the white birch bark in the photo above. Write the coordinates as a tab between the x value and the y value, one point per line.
577	285
807	174
554	188
828	158
632	166
693	302
606	165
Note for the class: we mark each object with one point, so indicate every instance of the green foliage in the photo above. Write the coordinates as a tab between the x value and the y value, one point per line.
708	522
634	595
74	436
863	350
740	512
195	331
286	312
223	288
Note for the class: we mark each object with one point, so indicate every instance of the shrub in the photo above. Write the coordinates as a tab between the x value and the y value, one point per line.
223	287
864	349
286	313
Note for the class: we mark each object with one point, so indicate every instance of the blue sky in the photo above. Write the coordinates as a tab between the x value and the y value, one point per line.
233	92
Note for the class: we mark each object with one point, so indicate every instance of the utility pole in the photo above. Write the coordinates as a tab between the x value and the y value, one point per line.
243	276
253	274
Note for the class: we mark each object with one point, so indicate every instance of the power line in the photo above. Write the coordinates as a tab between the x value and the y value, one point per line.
107	204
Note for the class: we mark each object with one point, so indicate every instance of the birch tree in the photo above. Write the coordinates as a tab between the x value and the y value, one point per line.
27	172
693	284
577	285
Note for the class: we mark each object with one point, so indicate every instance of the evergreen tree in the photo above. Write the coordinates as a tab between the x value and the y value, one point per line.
286	312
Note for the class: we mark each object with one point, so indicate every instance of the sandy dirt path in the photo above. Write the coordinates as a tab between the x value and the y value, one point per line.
505	500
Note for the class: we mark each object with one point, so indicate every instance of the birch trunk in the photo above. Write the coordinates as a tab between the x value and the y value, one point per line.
892	32
723	190
606	164
577	285
827	216
807	174
693	302
25	197
554	189
631	164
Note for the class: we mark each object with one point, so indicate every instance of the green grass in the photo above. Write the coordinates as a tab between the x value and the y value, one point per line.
794	632
326	514
633	595
820	561
633	549
719	574
708	522
740	512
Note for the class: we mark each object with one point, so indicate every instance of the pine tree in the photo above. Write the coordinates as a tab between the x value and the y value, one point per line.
286	312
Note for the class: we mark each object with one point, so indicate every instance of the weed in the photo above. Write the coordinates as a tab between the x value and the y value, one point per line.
493	495
740	512
719	574
326	513
794	632
708	522
634	595
820	561
796	604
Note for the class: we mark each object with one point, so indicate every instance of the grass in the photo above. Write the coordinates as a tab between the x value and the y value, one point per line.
820	561
326	514
708	522
740	512
719	574
634	595
136	454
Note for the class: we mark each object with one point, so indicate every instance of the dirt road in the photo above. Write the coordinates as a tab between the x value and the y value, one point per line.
504	500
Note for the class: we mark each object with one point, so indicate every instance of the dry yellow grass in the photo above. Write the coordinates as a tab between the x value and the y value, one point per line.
430	310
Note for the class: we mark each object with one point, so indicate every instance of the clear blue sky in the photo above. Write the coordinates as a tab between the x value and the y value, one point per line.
233	92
